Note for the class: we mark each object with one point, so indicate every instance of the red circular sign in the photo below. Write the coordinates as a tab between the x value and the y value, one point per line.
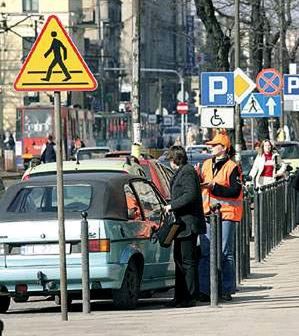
182	108
269	82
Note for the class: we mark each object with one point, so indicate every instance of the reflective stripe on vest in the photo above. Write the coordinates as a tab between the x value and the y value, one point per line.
231	208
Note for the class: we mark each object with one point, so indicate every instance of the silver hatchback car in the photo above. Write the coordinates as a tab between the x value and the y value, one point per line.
123	211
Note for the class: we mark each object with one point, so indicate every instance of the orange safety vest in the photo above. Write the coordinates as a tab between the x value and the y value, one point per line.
231	208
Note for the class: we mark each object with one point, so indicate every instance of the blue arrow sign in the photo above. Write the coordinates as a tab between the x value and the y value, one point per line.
257	105
217	89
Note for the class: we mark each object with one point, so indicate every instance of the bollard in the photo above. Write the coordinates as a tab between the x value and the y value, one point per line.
213	261
257	247
219	246
85	264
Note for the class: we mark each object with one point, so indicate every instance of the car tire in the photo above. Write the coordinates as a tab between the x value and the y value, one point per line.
4	301
127	296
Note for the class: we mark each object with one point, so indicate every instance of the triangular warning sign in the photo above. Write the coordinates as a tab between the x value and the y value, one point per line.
54	63
252	106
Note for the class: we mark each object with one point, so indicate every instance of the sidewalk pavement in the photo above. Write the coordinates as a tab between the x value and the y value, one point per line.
266	305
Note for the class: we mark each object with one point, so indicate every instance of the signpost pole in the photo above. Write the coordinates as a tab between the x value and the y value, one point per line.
237	65
60	207
182	115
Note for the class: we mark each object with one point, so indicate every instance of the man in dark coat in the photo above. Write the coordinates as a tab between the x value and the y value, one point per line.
186	202
49	152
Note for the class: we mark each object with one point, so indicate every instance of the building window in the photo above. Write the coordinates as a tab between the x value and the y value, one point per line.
27	45
30	6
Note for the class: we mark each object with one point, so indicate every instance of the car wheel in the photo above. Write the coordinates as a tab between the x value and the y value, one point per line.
127	296
4	301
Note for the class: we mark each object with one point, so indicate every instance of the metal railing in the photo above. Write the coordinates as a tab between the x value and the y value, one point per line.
270	213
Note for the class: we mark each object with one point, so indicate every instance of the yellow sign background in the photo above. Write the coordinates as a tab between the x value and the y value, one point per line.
36	65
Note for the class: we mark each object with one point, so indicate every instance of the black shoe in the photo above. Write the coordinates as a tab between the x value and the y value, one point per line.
226	297
204	297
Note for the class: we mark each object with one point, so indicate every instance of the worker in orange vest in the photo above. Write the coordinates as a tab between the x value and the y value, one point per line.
221	183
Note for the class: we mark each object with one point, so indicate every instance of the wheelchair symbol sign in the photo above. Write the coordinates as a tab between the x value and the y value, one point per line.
220	117
216	120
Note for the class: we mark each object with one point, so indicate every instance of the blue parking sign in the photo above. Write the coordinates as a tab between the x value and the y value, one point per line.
217	89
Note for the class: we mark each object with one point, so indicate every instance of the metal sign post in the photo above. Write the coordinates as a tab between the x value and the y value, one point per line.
60	207
37	74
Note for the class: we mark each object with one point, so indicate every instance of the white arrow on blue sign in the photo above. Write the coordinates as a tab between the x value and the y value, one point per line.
257	105
217	89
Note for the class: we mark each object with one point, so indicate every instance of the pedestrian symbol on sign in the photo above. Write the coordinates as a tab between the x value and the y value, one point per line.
252	102
55	47
252	106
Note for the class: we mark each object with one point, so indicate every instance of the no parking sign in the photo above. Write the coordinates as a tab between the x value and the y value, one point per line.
269	82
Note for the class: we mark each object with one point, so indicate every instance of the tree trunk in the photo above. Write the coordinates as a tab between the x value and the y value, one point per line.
221	43
257	43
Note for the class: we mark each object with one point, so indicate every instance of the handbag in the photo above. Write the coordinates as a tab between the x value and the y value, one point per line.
168	230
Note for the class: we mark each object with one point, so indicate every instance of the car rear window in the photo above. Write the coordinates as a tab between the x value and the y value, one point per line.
35	199
290	151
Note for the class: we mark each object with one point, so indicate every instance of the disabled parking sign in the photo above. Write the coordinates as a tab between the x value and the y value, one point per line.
217	89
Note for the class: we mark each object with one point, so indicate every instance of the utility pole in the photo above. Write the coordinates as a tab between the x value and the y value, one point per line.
281	54
136	127
238	145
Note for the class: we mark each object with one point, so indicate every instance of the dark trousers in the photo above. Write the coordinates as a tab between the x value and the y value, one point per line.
185	268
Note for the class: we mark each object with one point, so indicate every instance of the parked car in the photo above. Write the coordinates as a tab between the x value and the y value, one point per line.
91	153
289	151
193	158
118	165
171	132
199	148
118	154
247	159
124	260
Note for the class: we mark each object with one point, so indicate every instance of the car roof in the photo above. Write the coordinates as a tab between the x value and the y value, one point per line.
108	202
94	148
96	165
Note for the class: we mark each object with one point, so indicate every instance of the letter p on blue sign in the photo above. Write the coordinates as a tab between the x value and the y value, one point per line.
217	89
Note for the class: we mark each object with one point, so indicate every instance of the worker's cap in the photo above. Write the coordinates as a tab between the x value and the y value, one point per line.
220	139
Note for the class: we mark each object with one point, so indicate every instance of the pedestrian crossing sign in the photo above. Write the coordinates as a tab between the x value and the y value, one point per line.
251	106
54	63
258	105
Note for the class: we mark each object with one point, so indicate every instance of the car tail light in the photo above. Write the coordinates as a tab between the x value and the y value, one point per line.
21	289
99	245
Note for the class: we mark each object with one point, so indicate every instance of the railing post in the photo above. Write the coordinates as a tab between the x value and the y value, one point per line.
85	264
213	261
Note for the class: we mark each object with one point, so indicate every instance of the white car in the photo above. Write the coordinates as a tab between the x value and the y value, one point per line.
91	153
199	148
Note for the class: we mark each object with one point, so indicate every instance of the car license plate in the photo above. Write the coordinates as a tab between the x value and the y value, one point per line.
36	249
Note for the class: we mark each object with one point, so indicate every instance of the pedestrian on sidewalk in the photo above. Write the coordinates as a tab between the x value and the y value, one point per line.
186	203
49	151
267	166
221	183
